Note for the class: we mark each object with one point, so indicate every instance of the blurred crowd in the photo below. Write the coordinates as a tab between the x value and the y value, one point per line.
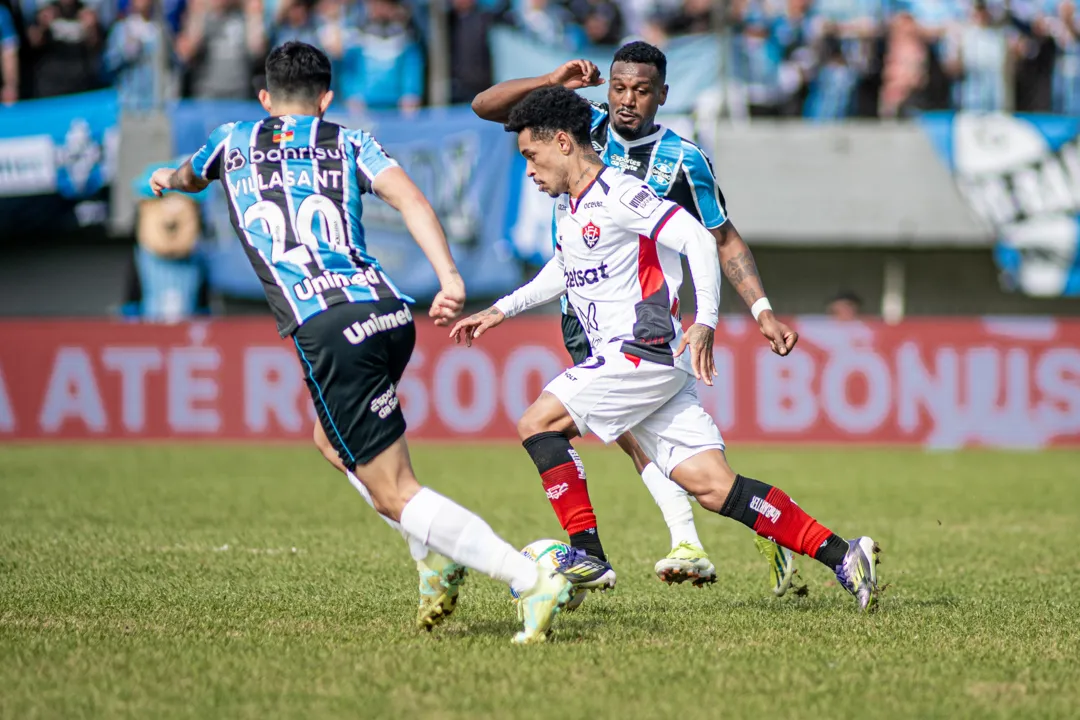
820	59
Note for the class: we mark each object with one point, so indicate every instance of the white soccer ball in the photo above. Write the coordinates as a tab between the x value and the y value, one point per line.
549	555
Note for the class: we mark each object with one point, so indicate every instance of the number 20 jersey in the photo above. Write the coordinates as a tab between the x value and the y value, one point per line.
294	185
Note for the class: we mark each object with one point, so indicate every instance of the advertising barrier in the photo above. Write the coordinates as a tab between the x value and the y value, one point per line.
935	383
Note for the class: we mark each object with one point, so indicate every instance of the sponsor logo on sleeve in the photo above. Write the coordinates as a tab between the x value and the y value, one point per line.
641	200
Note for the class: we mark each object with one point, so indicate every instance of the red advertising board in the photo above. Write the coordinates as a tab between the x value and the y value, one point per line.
936	383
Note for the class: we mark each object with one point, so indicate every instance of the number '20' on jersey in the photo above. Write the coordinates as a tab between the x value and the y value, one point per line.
294	185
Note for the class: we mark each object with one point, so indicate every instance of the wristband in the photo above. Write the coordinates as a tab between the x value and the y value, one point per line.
760	306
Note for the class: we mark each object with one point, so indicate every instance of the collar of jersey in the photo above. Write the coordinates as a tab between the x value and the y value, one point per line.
575	204
652	137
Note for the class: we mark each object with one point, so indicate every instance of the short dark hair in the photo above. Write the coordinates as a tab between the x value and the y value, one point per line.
296	70
548	110
643	53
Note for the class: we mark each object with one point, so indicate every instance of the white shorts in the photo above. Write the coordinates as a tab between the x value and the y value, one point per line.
609	394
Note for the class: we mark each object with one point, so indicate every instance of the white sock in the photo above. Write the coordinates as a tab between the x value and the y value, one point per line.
674	503
462	536
417	549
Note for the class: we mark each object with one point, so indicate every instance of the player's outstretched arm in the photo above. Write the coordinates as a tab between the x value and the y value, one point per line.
739	268
398	190
496	102
182	178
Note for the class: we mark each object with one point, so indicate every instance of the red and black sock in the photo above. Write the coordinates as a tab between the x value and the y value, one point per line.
563	476
769	512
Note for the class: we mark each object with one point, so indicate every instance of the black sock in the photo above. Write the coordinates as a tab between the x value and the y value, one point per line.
589	541
832	551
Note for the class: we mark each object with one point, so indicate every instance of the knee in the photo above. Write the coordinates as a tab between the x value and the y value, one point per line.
531	423
712	499
389	496
390	507
706	478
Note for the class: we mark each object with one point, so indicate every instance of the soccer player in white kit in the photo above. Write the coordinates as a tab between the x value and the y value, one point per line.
617	260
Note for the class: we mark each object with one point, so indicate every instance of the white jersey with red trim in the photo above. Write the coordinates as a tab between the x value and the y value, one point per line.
619	246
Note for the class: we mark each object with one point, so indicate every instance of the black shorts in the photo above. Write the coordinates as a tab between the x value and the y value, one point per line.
353	355
575	339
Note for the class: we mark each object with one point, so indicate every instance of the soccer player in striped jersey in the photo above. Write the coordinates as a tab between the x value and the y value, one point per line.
295	184
624	133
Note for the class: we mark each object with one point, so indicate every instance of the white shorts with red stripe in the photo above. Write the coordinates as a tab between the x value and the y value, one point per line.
612	393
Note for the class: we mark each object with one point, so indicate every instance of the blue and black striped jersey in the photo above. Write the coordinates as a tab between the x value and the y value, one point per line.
294	185
671	165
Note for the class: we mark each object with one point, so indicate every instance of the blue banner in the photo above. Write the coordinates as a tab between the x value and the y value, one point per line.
693	64
56	161
1022	175
462	165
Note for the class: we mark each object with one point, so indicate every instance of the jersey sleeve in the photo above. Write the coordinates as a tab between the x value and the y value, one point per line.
206	162
548	284
681	232
710	203
599	114
371	159
636	207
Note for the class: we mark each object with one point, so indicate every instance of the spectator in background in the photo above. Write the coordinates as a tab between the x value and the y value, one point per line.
383	64
296	20
174	11
1065	30
219	44
470	54
66	39
845	306
601	20
905	69
755	61
977	56
549	24
1034	70
131	56
834	82
693	17
795	32
9	58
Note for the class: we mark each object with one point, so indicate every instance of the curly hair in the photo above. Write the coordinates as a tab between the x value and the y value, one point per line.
549	110
643	53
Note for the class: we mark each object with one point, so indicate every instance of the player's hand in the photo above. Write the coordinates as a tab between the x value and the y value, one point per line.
450	300
159	181
699	338
781	338
472	327
576	74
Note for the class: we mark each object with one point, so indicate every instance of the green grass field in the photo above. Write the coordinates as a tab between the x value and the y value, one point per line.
235	582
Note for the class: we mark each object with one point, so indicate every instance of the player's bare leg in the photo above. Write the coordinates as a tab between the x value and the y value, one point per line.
545	430
687	559
440	578
769	512
463	536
